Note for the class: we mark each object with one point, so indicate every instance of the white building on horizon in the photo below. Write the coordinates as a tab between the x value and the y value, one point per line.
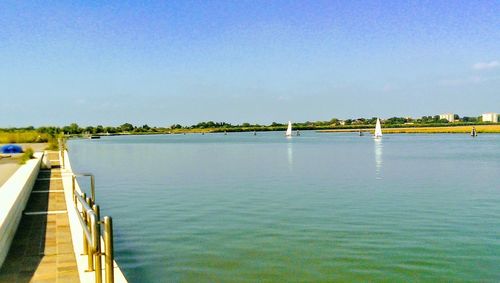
490	117
448	116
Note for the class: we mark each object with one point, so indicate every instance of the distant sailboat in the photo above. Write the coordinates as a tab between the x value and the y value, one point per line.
378	130
289	129
473	133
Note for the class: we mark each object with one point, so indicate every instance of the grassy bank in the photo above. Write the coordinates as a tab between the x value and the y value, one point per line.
389	129
50	134
23	137
428	130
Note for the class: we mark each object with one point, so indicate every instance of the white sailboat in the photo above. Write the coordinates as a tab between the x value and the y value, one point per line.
473	133
378	130
289	129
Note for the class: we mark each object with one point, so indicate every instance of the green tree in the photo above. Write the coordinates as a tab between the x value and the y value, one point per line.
73	129
334	121
110	130
90	130
127	127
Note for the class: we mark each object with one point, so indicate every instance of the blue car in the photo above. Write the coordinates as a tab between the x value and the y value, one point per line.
11	148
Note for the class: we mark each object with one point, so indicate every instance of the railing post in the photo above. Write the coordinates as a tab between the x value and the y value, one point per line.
92	187
61	148
84	217
108	245
90	214
90	251
98	253
92	184
73	180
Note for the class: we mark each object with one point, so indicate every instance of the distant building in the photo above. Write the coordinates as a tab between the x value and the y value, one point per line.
490	117
408	120
448	116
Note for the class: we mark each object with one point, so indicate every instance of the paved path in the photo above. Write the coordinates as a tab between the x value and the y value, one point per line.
7	169
42	250
10	162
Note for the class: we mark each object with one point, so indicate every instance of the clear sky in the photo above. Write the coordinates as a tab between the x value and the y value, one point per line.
165	62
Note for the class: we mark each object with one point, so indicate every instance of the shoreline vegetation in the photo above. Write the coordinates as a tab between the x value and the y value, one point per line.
395	125
459	129
22	135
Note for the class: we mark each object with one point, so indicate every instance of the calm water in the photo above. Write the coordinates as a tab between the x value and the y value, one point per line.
319	207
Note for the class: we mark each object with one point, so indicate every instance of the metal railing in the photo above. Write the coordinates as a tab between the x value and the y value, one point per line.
89	218
92	183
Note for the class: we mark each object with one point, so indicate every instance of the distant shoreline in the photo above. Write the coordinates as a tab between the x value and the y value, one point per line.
37	135
462	129
490	129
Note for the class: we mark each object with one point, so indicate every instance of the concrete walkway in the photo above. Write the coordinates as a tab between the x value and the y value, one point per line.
7	169
42	250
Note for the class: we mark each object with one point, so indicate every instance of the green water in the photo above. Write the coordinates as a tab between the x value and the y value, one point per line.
319	207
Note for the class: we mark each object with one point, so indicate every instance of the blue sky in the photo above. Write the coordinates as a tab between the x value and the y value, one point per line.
165	62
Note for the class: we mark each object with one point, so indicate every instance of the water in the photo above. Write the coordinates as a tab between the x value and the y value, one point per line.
319	207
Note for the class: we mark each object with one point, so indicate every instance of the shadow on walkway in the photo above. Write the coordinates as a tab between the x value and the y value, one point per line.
42	248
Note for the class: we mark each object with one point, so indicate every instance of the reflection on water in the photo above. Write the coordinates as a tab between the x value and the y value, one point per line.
378	158
290	156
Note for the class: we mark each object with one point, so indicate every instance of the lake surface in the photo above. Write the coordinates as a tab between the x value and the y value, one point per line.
319	207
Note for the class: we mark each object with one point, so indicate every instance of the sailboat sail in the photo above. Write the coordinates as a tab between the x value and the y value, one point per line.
289	129
378	129
473	133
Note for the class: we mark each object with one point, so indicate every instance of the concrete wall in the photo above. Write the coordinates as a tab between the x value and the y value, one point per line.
14	195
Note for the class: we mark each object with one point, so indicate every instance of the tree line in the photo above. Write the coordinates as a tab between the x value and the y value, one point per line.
75	129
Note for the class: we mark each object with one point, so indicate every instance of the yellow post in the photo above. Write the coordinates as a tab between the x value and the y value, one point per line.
108	245
73	180
98	253
92	187
90	251
84	217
